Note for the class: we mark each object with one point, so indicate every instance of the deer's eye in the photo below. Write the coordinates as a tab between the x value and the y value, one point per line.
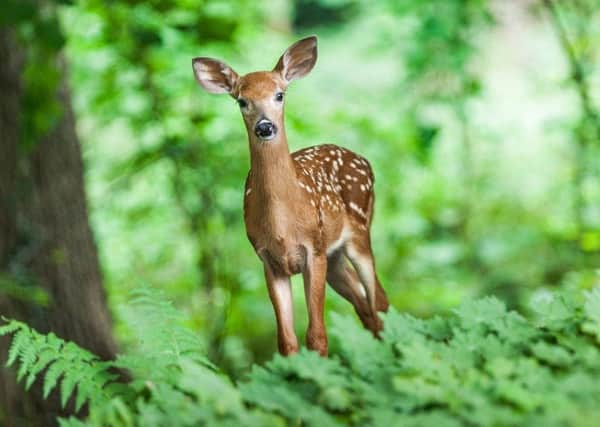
279	96
242	103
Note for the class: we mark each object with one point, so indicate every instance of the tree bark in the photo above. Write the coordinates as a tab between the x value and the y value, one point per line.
45	239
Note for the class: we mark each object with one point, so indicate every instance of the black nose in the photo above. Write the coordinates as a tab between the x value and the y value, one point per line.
265	129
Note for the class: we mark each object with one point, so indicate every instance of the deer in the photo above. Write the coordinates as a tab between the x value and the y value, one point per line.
307	212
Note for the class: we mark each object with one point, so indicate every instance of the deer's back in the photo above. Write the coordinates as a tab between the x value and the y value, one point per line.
336	180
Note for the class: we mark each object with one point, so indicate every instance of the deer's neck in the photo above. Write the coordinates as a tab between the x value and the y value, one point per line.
273	175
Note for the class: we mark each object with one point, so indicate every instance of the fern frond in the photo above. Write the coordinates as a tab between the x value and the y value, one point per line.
10	326
45	357
51	378
64	363
162	338
70	379
18	344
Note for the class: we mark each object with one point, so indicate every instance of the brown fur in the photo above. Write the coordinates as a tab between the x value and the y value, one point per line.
308	212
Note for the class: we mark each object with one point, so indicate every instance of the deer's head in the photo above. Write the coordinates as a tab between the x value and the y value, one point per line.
260	94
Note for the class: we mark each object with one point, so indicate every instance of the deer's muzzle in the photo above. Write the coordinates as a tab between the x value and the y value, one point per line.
265	129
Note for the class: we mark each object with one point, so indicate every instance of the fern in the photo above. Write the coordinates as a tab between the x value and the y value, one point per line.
161	340
482	365
69	367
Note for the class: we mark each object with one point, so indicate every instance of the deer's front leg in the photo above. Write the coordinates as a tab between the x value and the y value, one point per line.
280	292
314	276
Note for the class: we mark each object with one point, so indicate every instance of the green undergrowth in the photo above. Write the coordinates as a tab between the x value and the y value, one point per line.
482	365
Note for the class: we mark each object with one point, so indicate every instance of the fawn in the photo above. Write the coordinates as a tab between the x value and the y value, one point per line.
305	212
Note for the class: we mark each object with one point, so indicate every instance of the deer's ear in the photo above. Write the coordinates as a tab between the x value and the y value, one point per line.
214	76
298	59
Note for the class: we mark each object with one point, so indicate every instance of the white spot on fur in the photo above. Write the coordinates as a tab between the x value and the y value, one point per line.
357	209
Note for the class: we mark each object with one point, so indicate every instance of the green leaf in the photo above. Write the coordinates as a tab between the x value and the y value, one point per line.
54	372
10	327
18	345
592	312
71	378
552	354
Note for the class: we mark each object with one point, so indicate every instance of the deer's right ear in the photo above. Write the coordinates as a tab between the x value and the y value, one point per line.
214	76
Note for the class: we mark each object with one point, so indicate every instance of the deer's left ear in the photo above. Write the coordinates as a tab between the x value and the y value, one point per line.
298	59
213	75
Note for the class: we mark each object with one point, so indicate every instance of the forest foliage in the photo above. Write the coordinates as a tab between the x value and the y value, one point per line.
471	179
481	120
481	365
468	185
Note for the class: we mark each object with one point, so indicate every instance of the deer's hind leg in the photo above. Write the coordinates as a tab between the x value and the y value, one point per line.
358	250
344	280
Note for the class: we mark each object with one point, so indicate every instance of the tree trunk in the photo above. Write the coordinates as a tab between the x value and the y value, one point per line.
45	239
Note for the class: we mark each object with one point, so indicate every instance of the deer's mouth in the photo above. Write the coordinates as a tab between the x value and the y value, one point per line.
265	129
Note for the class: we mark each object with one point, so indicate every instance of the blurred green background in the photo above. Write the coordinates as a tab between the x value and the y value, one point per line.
480	119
